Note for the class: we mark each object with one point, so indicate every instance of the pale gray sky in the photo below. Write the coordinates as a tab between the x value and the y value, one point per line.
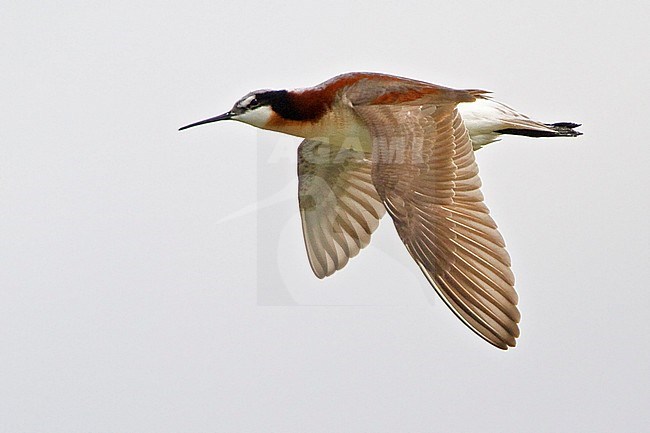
132	300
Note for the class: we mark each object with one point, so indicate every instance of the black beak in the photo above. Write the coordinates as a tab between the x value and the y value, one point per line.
224	116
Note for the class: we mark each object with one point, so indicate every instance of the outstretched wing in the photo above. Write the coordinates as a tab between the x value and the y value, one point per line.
339	206
425	173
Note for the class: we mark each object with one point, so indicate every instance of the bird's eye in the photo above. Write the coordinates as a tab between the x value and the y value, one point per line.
253	103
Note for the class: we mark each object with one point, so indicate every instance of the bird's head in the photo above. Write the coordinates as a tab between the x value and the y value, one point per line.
255	108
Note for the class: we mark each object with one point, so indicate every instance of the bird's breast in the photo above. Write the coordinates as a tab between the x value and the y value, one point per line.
340	127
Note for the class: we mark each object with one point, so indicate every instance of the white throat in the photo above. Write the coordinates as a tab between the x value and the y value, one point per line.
258	117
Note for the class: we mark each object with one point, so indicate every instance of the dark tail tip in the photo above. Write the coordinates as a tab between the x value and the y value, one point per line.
560	129
565	129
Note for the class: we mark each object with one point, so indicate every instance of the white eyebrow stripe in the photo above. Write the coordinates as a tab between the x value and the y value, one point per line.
247	101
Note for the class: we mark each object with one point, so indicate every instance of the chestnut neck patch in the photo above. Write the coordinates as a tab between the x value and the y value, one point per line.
304	106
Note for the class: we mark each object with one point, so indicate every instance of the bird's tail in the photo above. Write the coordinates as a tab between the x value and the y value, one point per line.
565	129
560	129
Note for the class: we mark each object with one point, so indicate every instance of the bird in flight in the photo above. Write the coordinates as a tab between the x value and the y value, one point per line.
376	143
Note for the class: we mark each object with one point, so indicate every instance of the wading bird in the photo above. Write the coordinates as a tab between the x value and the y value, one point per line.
375	143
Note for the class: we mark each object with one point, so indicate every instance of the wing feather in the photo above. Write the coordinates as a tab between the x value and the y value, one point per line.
339	206
424	171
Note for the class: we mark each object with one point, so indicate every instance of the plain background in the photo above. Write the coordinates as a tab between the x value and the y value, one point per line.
133	294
